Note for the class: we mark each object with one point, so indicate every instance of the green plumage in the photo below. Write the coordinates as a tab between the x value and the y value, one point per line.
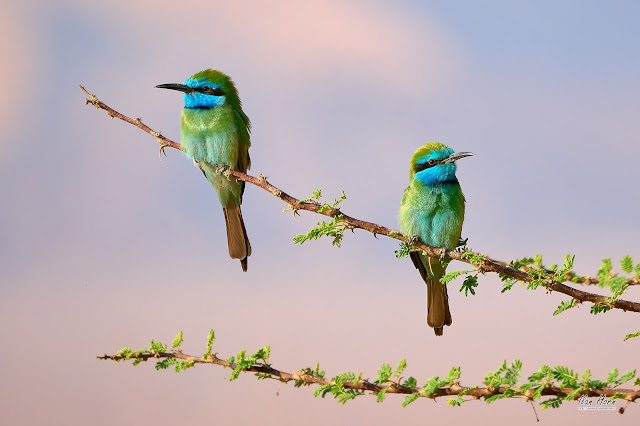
215	132
432	208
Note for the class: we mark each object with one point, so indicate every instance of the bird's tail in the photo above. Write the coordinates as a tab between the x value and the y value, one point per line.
239	247
431	270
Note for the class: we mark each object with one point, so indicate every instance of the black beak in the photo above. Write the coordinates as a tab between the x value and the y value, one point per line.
174	86
456	156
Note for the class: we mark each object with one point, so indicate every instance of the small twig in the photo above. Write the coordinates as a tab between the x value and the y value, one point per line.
533	407
163	141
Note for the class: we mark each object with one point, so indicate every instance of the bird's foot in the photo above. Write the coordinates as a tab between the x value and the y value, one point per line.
413	240
294	210
162	143
443	252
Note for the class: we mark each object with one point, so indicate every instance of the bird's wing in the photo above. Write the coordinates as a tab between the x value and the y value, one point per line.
244	161
417	262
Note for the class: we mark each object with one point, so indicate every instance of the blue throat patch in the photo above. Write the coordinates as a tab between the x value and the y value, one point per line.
440	174
200	100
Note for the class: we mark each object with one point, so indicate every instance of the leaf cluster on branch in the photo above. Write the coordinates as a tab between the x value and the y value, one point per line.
559	383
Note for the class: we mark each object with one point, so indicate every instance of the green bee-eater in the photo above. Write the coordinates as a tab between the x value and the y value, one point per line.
433	210
215	131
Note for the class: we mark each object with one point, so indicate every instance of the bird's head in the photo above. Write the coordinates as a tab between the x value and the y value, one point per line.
207	89
434	163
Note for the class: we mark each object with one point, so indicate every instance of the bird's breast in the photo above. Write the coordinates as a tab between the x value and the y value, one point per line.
435	214
209	135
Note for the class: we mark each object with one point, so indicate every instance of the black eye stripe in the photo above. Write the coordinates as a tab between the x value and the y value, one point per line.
426	165
210	91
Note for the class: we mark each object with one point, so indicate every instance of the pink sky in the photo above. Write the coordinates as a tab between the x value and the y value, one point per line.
104	246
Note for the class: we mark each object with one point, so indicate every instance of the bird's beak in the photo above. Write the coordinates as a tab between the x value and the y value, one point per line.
174	86
456	156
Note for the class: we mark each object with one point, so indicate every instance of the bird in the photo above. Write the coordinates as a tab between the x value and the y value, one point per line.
432	209
214	131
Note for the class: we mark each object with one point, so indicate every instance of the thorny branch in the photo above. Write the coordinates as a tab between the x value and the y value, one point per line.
484	265
308	378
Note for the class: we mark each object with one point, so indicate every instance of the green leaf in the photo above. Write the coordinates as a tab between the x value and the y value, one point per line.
631	335
454	375
618	285
317	372
380	396
210	339
604	271
433	384
165	363
565	376
334	229
551	403
315	197
339	200
537	261
560	274
508	393
508	282
157	347
626	264
410	398
323	390
567	304
383	374
469	284
183	365
544	372
511	374
455	402
403	250
599	307
450	276
474	259
411	382
177	340
612	376
402	365
125	353
625	377
521	264
493	379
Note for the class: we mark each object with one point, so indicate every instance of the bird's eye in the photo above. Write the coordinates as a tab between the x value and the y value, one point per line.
206	90
431	162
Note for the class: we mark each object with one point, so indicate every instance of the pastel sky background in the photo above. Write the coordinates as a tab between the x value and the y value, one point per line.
104	246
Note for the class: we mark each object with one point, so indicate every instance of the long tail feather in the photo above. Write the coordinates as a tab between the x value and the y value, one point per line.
239	247
431	270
